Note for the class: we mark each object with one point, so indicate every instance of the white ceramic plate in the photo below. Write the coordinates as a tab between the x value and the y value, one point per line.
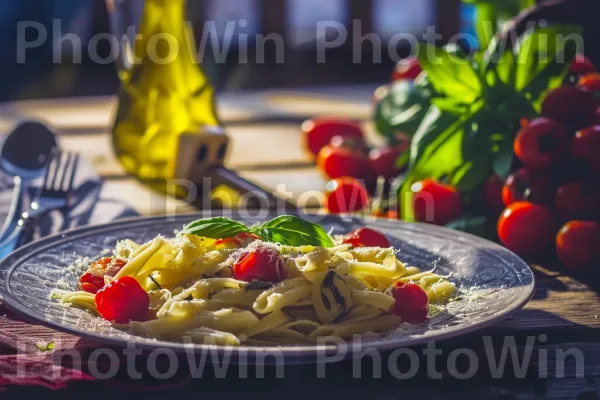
496	282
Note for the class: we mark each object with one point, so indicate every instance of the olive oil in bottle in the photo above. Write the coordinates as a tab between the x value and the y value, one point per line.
163	94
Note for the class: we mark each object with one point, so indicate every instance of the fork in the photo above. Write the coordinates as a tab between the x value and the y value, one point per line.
54	194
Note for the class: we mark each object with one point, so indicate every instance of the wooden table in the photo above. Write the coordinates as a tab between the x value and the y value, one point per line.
563	316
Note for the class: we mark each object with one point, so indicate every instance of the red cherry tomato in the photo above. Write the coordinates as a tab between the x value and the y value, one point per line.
585	146
436	202
345	195
523	185
412	304
318	132
569	106
492	193
578	244
590	82
541	144
349	142
366	237
384	161
123	300
239	240
408	68
339	162
577	200
526	228
581	65
93	279
263	264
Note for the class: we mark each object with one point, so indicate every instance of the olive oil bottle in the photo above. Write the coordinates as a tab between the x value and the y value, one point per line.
163	94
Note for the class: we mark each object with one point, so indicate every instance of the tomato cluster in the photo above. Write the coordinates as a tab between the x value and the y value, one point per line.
558	181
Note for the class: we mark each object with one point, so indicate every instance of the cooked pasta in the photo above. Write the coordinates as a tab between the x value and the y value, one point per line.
242	289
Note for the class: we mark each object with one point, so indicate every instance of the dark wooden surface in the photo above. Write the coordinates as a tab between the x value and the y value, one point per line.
564	314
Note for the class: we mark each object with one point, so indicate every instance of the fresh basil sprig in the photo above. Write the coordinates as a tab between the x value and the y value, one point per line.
285	229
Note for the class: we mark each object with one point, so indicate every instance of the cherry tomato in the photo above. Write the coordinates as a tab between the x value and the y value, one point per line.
412	304
492	193
339	162
577	200
239	240
384	161
346	195
349	142
590	82
318	132
569	106
541	144
366	237
523	185
93	279
585	146
408	68
578	244
581	65
436	202
123	300
526	228
263	264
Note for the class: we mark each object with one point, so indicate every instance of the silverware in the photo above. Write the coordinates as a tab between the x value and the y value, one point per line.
54	194
25	154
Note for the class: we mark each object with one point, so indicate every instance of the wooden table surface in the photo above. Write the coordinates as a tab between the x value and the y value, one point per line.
266	148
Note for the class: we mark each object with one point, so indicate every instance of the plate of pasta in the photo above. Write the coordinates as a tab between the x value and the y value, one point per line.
250	284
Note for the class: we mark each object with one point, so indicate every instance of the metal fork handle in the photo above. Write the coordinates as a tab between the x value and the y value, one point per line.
14	213
21	235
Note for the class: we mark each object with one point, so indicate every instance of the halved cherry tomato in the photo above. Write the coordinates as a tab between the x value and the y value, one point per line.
526	228
541	144
408	68
436	202
339	162
384	161
123	300
263	264
523	185
412	304
569	106
318	132
492	193
578	244
585	146
366	237
581	65
93	279
239	240
577	200
345	195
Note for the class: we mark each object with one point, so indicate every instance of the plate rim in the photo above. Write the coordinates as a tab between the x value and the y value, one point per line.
301	353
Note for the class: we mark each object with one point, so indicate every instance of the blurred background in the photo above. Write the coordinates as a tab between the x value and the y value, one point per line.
295	20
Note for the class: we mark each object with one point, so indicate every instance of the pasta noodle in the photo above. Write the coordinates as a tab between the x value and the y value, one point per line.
195	294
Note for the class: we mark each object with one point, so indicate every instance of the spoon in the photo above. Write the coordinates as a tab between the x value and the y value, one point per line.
24	155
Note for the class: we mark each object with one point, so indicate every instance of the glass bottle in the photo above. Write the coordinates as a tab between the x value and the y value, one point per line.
163	93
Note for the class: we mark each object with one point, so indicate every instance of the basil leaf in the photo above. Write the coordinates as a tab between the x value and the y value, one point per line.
450	72
293	231
543	60
403	108
215	228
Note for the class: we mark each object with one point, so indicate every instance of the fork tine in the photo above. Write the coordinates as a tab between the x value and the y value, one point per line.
74	166
66	170
49	166
56	170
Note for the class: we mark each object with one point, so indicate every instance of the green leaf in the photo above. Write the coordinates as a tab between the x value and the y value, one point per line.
486	23
544	58
450	73
293	231
503	163
45	347
403	108
215	228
